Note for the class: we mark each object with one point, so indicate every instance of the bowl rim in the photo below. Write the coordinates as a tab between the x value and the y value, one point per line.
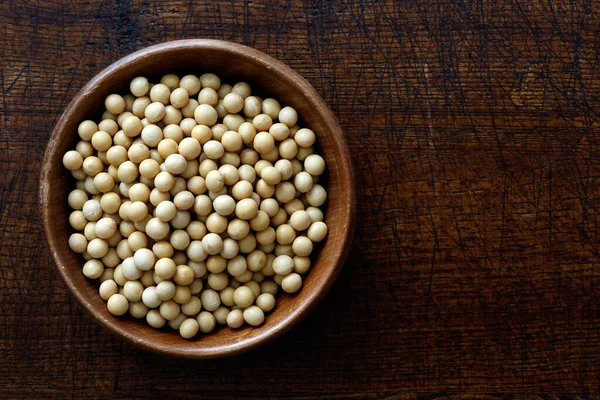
308	304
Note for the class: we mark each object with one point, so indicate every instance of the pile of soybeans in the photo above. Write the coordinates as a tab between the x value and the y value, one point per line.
195	201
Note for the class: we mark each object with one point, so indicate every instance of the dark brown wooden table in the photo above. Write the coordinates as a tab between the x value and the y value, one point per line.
474	127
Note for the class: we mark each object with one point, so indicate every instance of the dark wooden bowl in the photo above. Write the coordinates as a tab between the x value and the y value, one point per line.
232	62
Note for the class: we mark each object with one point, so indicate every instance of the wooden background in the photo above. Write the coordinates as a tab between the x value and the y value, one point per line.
474	128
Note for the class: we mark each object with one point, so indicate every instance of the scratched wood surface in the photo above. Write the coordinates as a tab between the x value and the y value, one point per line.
474	129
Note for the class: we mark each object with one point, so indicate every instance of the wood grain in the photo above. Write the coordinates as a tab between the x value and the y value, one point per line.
474	129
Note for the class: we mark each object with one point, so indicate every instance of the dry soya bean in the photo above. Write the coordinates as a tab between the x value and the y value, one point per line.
205	114
263	142
175	164
252	106
176	323
77	199
93	269
138	310
169	310
233	102
288	116
191	83
260	221
212	243
241	88
213	149
105	228
271	107
160	93
139	106
208	96
317	231
206	322
172	116
210	80
92	210
224	90
254	316
243	297
109	126
155	320
86	129
291	283
316	196
181	220
133	291
300	220
165	268
117	304
235	319
288	149
244	167
210	300
170	80
139	86
78	243
246	209
152	135
72	160
189	148
189	328
218	281
303	182
132	126
266	302
192	307
154	112
92	165
285	192
115	104
221	314
237	266
150	298
179	97
107	289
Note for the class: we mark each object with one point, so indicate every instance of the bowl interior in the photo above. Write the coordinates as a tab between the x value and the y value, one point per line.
232	63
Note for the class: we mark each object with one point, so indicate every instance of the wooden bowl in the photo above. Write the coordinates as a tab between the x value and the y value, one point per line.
267	76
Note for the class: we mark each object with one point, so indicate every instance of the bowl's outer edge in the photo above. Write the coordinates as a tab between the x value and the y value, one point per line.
307	306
